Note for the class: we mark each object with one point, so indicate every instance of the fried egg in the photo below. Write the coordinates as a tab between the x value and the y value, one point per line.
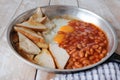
61	25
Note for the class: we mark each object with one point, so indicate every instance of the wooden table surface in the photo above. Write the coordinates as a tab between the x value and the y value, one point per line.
12	68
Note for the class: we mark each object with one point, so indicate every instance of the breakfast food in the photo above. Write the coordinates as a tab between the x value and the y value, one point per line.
34	21
27	45
61	42
86	45
60	55
32	25
45	59
32	35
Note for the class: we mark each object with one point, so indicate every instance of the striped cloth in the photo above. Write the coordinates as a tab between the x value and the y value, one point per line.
106	71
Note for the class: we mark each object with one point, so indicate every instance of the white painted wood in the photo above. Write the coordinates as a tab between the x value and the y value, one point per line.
114	6
100	8
7	11
30	4
12	68
64	2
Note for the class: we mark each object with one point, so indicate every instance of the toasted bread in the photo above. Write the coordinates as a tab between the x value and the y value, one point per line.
49	24
26	55
35	21
39	12
42	45
45	59
32	25
27	45
36	18
60	55
30	34
36	38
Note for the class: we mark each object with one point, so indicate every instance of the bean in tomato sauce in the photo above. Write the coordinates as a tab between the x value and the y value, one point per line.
86	45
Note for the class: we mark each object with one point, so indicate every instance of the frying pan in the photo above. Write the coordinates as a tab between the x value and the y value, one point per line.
82	14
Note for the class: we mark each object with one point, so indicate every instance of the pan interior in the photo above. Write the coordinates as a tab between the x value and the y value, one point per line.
82	14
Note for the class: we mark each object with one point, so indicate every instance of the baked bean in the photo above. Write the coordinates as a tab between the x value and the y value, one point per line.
86	45
91	58
96	56
72	47
101	44
102	55
78	65
82	59
74	44
83	44
77	57
97	50
96	60
95	46
104	51
91	51
73	59
86	53
105	41
91	37
72	51
81	53
86	62
69	65
74	54
79	46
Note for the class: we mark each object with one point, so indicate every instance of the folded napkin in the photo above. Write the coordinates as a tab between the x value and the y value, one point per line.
106	71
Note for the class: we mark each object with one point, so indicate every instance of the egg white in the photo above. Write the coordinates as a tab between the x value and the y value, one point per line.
59	22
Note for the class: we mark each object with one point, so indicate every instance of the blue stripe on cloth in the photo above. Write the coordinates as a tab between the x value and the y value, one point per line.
101	73
70	77
98	74
85	75
79	76
63	77
119	66
112	71
82	76
106	71
89	75
76	76
117	71
94	71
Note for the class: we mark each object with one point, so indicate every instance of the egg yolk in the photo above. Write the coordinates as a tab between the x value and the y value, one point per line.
66	29
58	38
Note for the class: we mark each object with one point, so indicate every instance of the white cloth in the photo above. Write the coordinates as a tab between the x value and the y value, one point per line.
106	71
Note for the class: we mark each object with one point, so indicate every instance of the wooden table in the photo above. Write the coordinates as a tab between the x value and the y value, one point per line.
12	68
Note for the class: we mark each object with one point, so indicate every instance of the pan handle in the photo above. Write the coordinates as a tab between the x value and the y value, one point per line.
114	58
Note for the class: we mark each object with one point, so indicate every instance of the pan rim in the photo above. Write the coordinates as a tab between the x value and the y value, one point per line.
61	70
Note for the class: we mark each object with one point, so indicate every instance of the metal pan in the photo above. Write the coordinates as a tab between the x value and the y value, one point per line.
82	14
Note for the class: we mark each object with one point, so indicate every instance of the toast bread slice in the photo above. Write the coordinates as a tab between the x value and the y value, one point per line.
32	35
31	24
45	59
27	45
59	54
